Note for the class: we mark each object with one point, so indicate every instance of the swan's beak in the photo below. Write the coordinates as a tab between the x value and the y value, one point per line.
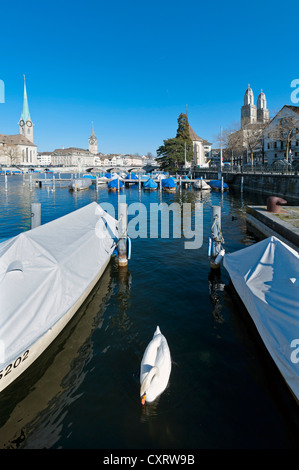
143	399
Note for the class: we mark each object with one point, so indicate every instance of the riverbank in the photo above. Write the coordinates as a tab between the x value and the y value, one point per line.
283	225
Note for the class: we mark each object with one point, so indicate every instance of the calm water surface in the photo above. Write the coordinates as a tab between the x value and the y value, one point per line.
224	391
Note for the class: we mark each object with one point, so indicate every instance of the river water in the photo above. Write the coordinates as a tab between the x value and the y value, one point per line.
83	392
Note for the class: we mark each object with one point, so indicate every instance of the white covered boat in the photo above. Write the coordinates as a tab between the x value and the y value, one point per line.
78	184
201	184
45	275
266	277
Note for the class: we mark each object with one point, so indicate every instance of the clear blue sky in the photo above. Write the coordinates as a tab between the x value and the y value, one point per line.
132	66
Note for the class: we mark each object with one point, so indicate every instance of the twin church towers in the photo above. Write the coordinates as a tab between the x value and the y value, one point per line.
251	114
26	126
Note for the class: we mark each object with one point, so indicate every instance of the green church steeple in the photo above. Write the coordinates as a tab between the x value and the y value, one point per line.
25	123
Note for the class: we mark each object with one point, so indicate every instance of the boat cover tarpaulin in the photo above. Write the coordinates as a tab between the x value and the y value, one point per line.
44	271
216	184
266	277
168	183
115	183
150	183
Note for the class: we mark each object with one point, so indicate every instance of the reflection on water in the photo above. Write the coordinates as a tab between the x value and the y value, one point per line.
216	286
52	382
84	390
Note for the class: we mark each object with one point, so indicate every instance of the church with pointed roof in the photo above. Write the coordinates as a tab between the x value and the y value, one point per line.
19	149
201	149
25	123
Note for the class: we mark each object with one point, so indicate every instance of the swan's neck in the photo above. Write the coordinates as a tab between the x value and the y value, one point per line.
147	380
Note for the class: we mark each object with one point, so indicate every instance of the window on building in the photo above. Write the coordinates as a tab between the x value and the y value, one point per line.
27	154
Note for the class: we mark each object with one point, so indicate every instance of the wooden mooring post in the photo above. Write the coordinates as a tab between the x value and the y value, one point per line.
35	214
123	235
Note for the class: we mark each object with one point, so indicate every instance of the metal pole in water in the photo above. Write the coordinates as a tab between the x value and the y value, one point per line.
53	183
23	179
201	182
139	182
123	237
242	181
30	182
97	182
35	214
5	182
222	184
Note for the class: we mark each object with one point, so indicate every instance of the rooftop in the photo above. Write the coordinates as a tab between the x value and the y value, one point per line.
17	139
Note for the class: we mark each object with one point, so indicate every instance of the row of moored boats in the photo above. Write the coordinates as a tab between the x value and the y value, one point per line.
116	182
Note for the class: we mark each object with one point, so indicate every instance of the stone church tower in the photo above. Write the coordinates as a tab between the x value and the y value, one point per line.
25	123
248	111
262	111
93	143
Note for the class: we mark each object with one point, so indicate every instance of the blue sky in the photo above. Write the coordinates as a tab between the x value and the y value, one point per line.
131	67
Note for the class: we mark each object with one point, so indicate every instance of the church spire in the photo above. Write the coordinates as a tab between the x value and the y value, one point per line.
93	142
25	123
25	113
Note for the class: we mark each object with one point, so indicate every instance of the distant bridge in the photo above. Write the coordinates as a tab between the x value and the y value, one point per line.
146	168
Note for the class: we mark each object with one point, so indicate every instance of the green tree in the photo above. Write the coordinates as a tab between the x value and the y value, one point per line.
171	155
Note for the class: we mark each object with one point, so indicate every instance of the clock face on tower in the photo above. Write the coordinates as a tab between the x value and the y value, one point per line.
92	141
29	123
22	123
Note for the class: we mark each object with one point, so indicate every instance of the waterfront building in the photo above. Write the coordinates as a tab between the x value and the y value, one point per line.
73	156
282	136
44	158
249	137
19	149
201	149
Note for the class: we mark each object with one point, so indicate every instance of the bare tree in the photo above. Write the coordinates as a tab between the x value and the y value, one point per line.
12	153
253	137
285	130
231	141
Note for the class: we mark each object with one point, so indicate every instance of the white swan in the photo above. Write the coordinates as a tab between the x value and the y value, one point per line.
155	368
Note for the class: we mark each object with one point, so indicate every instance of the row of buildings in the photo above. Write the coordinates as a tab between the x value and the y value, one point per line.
20	150
260	138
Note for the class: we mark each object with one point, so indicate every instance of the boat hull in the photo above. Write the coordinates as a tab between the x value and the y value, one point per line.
14	369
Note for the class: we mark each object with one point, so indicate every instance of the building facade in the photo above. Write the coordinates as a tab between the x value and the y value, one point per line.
281	138
201	149
19	149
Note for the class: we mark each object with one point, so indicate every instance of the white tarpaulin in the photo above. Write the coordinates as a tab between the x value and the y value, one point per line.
44	271
266	277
